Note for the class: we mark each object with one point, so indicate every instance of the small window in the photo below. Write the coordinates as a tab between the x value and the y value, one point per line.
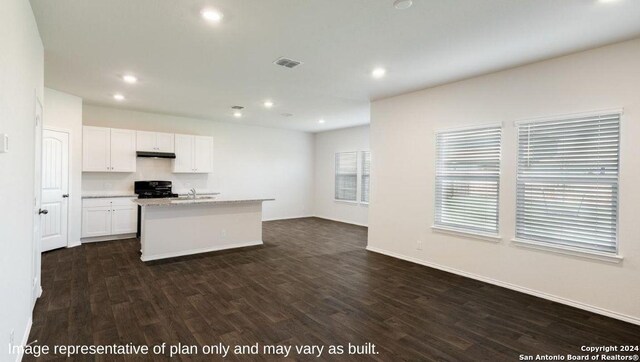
567	187
366	176
346	186
468	179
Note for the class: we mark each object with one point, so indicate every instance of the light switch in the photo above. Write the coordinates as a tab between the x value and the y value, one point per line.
4	143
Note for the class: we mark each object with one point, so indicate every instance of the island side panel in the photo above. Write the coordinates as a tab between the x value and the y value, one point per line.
175	230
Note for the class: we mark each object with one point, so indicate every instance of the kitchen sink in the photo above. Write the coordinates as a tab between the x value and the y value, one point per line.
198	198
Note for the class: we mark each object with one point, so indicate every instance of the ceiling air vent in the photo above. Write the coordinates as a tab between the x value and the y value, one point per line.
286	62
237	108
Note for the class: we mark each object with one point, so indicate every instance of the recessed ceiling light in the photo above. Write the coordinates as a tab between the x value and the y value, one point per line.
321	121
118	97
237	114
212	15
268	104
378	72
402	4
130	78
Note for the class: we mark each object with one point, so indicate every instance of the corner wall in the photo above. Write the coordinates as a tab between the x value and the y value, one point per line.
21	79
327	144
403	176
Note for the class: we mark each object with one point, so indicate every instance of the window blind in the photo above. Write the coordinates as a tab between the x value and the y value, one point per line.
567	187
468	178
366	171
346	176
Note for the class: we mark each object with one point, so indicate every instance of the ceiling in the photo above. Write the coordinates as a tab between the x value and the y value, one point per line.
187	66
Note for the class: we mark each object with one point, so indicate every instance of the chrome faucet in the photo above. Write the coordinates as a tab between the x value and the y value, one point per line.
192	193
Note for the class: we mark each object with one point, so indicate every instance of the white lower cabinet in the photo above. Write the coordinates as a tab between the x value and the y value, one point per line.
124	219
109	216
96	221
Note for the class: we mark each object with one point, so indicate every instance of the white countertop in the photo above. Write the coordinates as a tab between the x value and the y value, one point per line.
198	201
107	194
114	194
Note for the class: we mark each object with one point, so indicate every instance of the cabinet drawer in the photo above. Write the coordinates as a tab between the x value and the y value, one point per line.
96	203
110	201
123	201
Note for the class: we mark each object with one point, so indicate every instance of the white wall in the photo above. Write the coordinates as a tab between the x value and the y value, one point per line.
402	140
327	145
21	78
63	111
248	160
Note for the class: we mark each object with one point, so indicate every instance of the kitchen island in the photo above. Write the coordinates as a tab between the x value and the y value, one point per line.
184	226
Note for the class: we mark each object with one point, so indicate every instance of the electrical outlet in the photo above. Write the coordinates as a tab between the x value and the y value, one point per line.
223	233
11	337
419	244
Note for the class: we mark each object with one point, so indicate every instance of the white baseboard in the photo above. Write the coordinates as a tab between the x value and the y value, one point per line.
287	218
340	220
25	340
200	251
535	293
73	245
317	216
96	239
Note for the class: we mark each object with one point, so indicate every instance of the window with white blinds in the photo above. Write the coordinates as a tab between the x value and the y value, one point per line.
567	187
346	185
365	176
468	179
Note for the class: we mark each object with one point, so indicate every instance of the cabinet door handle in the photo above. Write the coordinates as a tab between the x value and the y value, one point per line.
65	196
43	211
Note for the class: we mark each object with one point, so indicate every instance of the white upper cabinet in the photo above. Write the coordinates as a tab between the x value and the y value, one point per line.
194	154
145	141
154	141
203	154
184	154
96	149
108	150
123	150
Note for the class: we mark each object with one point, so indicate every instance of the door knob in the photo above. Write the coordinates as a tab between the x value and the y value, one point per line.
65	195
43	211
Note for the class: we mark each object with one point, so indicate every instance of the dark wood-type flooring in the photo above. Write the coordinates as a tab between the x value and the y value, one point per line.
311	283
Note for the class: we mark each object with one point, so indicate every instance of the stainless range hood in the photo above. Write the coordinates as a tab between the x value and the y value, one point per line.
155	154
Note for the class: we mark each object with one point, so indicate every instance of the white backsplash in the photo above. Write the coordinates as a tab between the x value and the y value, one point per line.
148	169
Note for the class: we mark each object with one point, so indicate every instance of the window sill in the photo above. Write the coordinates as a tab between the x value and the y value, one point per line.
567	250
494	238
346	201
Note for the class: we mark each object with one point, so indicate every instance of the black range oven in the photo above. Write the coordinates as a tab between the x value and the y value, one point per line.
152	190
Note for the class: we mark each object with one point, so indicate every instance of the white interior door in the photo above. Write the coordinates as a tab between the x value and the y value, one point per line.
37	210
55	189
